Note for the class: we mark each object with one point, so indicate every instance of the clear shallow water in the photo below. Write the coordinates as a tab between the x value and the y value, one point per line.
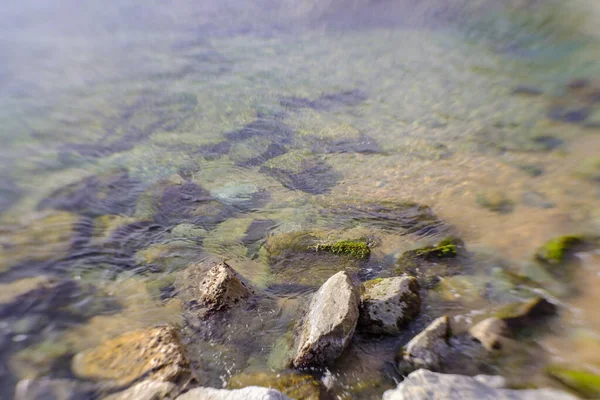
138	141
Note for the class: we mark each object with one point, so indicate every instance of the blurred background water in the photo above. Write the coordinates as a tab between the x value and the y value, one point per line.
140	137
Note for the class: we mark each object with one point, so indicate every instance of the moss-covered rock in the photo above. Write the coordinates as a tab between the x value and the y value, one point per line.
295	386
524	316
300	257
353	248
444	249
584	383
558	249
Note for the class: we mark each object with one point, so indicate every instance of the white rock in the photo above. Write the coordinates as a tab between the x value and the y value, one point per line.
330	323
247	393
427	385
146	390
429	347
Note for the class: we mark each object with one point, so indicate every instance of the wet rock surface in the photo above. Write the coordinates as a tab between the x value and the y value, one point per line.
248	393
150	390
427	385
330	322
295	386
222	288
430	347
154	353
491	333
387	305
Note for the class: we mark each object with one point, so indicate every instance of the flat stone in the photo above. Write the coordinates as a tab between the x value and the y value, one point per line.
146	390
154	353
429	347
387	305
247	393
427	385
330	323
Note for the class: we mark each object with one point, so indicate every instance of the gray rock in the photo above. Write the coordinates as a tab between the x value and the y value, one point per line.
536	199
54	389
491	333
387	305
429	347
222	288
427	385
146	390
330	323
247	393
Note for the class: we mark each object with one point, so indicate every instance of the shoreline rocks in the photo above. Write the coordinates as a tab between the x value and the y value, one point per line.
429	347
222	288
387	305
330	323
154	353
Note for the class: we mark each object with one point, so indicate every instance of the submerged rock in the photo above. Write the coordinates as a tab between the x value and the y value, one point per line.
388	304
558	249
447	248
113	193
295	386
222	288
491	333
330	323
248	393
406	217
536	199
495	201
49	235
427	385
354	248
302	172
326	101
428	348
154	353
527	314
146	390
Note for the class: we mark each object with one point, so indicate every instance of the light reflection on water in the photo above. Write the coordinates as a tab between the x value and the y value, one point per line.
175	133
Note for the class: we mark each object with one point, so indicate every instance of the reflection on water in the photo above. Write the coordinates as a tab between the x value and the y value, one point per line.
141	140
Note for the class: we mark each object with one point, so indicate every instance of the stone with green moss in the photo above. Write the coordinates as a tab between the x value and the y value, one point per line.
523	316
295	386
584	383
558	249
353	248
445	249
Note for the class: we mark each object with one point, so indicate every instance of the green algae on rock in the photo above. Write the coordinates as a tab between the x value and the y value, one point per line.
557	250
526	315
584	383
295	386
353	248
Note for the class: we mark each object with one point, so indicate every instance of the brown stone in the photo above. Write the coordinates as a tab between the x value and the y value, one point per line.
154	353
